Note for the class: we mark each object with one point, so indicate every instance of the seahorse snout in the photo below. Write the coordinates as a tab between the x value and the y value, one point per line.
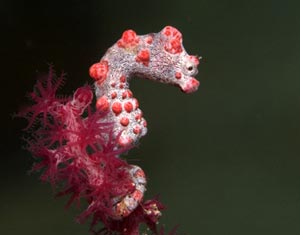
189	86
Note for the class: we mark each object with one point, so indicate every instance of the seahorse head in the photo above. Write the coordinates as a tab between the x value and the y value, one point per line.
171	62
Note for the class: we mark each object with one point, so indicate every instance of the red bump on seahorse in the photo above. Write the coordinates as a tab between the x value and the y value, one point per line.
156	56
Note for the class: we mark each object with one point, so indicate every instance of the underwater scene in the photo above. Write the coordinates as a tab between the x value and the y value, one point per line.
157	117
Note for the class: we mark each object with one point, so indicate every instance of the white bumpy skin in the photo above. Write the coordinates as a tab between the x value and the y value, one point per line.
156	56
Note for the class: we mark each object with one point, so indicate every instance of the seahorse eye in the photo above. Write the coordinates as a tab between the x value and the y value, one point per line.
190	68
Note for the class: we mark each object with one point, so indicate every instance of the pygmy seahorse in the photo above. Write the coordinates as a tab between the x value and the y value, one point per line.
156	56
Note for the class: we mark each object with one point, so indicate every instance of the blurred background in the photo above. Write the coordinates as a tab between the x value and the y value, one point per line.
224	160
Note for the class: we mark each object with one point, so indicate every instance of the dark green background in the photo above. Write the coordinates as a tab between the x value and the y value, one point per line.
224	160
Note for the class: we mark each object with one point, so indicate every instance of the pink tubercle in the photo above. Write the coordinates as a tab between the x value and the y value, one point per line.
194	59
143	57
116	108
102	103
129	39
124	121
178	75
128	106
190	86
125	141
98	71
173	44
149	39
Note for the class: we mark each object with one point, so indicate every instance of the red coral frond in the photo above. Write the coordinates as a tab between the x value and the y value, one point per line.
44	98
77	151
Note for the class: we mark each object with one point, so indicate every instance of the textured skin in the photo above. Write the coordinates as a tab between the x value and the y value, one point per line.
156	56
125	206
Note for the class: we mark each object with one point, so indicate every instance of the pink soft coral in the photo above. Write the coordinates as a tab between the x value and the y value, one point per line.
75	147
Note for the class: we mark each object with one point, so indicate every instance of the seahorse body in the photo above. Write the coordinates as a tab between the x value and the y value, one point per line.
156	56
